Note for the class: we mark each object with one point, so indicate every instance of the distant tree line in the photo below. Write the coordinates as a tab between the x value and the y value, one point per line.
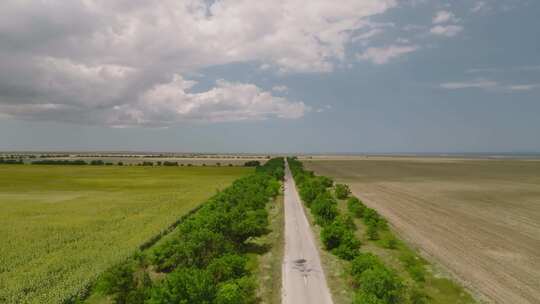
11	161
76	162
252	163
99	162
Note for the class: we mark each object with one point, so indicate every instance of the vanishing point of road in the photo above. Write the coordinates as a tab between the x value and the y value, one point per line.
303	277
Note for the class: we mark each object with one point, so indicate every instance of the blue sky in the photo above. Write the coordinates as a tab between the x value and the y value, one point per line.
276	76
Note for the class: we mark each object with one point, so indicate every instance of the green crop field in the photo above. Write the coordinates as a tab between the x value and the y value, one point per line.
61	226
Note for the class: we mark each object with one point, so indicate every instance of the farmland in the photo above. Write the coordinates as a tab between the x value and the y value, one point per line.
61	226
478	219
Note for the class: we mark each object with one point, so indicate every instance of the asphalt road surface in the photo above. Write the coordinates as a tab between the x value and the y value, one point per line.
303	276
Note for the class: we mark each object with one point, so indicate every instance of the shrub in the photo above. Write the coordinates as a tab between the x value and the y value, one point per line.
246	224
414	267
371	215
363	262
326	181
348	221
185	285
311	189
348	247
390	243
125	285
342	191
324	208
355	207
372	231
118	281
227	267
417	296
239	291
332	234
382	283
366	298
340	240
196	249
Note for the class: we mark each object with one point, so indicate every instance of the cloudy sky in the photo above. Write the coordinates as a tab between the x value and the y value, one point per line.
270	75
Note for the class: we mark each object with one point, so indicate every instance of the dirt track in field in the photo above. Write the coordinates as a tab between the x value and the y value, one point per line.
479	219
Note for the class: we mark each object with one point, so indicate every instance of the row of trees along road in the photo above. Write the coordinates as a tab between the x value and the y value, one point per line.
373	281
204	260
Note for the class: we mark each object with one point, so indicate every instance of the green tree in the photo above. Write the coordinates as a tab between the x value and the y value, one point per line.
342	191
239	291
185	286
227	267
366	298
383	283
324	208
363	262
355	207
372	231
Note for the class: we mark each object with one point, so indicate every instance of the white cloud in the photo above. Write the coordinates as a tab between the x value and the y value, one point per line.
369	34
444	17
474	84
523	87
324	109
385	54
479	6
280	89
481	70
488	85
172	102
446	30
82	60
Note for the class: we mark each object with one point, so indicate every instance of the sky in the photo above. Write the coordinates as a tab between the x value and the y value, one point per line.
270	76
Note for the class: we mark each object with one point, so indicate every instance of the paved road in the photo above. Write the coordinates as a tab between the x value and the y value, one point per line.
303	277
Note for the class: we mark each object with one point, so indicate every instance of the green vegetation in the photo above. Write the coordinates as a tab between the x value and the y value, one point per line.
61	226
342	191
384	270
252	163
11	161
206	258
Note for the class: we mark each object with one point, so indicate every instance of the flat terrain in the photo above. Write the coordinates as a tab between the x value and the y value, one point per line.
195	161
60	226
479	219
303	277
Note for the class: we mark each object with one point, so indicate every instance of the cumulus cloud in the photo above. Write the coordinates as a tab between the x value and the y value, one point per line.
444	17
172	102
446	30
479	6
445	24
383	55
87	60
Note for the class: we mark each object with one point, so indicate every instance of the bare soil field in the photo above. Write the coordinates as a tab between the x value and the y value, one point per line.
478	219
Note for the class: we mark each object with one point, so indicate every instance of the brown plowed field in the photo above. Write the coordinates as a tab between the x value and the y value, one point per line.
479	219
